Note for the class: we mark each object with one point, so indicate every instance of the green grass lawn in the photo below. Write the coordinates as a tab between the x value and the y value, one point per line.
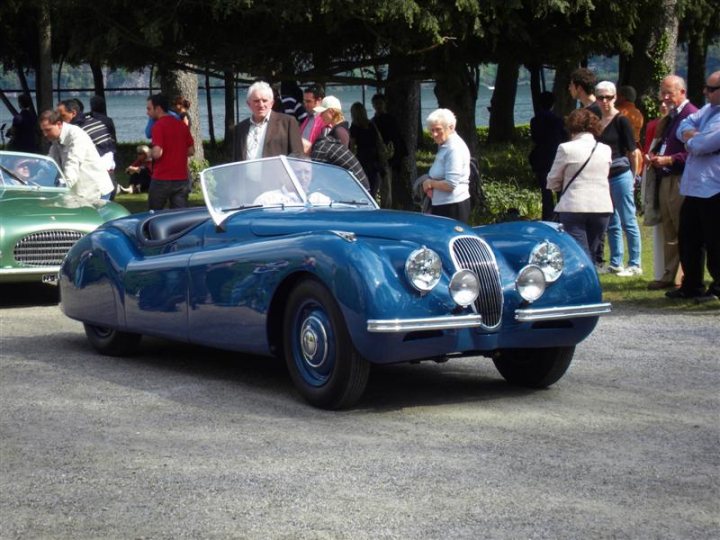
633	290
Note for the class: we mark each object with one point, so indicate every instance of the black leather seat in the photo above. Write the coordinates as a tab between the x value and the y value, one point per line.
165	226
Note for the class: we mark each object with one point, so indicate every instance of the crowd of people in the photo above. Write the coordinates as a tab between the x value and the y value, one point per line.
588	166
595	174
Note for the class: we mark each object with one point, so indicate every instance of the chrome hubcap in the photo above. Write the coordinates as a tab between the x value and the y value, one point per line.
313	341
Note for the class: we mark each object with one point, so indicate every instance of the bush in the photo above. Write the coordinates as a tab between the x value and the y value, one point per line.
503	198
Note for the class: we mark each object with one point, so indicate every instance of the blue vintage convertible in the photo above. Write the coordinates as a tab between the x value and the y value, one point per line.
294	258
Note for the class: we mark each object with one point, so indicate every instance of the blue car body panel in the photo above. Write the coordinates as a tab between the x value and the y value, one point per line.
221	276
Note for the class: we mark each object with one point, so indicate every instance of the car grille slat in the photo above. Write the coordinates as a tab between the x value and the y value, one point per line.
46	248
471	253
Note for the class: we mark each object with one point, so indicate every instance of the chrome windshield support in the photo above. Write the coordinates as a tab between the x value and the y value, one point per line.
428	323
564	312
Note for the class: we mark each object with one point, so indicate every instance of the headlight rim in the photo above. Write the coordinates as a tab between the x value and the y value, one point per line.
551	274
412	259
522	289
457	276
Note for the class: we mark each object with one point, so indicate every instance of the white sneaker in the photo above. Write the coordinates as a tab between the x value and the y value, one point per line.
615	269
630	271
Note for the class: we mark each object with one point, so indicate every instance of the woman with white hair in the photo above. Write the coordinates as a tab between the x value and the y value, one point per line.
447	184
626	159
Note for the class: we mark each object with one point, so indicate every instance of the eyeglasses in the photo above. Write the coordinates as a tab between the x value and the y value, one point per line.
606	98
711	89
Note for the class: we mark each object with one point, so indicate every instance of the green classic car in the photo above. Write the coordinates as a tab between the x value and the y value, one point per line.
40	219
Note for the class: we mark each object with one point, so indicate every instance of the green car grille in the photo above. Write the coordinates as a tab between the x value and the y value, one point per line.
45	248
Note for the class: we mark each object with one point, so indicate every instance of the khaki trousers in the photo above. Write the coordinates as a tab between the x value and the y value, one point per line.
670	202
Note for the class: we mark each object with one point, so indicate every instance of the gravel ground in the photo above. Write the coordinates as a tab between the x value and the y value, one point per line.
186	442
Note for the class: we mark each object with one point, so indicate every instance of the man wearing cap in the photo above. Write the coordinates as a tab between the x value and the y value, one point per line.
266	133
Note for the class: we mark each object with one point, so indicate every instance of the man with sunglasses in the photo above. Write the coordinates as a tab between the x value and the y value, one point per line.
667	158
700	185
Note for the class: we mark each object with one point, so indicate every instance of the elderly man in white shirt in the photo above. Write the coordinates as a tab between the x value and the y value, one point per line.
73	149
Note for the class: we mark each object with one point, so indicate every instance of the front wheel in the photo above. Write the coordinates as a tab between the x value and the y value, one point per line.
323	362
110	341
534	368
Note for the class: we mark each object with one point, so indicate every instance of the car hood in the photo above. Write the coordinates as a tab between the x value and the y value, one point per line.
386	224
27	205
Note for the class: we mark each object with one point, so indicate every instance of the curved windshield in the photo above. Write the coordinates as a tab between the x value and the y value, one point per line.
279	182
18	169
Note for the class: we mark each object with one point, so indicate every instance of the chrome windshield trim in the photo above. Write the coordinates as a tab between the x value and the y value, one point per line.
564	312
428	323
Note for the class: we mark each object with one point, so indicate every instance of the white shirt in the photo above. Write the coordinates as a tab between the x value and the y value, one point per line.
85	173
256	137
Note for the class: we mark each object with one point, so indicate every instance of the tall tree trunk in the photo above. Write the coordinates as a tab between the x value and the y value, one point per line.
535	84
564	103
403	100
502	104
98	79
653	56
456	88
182	83
229	77
697	54
25	86
208	98
43	80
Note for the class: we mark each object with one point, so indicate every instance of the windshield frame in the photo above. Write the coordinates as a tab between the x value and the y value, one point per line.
276	183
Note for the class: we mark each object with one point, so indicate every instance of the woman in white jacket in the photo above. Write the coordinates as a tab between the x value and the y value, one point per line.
580	174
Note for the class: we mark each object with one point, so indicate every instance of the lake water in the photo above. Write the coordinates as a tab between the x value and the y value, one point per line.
128	111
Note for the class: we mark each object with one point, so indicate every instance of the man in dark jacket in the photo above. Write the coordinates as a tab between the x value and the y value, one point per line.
266	133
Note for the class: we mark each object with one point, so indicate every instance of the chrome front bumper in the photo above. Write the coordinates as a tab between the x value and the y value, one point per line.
564	312
471	321
427	323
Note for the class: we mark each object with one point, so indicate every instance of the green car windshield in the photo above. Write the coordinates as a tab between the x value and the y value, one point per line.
279	182
19	169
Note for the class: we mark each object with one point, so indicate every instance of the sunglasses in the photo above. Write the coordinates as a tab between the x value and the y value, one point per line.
606	98
711	89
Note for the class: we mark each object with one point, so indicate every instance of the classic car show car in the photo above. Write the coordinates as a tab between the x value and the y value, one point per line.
294	258
40	219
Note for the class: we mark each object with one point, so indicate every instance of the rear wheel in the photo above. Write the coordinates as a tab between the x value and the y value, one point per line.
534	368
323	363
110	341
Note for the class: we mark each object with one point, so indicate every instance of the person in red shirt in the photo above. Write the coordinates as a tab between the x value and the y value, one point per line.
172	144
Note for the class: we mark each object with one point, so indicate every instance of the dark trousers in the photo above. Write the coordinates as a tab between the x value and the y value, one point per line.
547	197
587	229
174	192
459	211
699	235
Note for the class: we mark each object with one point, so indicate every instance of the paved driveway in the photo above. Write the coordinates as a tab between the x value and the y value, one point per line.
185	442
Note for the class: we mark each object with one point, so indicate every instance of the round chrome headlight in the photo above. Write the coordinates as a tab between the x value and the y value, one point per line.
548	257
464	287
423	269
530	283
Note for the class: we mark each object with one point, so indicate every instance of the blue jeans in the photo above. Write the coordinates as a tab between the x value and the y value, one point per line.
624	218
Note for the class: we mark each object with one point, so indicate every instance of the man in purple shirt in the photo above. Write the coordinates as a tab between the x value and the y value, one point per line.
668	157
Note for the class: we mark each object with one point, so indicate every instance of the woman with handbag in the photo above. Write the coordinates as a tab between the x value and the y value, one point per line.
626	161
580	174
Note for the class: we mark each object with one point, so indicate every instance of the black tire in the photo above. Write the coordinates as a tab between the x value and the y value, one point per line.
534	368
110	341
321	358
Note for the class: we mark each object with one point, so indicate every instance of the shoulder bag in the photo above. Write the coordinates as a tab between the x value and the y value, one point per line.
556	216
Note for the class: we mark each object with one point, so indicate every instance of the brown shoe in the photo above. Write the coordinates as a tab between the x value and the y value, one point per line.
657	285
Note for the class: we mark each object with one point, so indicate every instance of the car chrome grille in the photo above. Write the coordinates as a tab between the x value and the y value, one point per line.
471	253
45	248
